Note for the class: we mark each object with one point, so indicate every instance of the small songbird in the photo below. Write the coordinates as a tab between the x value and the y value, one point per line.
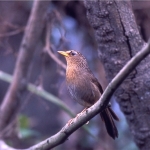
85	88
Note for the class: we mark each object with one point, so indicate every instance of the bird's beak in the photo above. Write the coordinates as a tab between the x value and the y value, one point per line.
66	54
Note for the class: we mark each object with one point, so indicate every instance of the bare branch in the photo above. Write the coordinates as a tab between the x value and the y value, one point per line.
17	31
48	45
33	32
3	22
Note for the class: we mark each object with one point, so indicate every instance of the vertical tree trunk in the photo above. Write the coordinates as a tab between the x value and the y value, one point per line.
118	40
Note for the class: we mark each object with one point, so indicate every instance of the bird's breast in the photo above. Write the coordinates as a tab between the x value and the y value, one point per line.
81	88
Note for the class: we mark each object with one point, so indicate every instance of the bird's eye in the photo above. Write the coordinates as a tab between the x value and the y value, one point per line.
73	53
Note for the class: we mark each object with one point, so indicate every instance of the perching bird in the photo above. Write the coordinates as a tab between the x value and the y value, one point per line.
85	88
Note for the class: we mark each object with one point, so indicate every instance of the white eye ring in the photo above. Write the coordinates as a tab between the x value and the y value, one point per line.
73	53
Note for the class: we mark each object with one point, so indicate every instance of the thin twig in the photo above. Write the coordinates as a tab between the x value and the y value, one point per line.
17	31
48	46
3	22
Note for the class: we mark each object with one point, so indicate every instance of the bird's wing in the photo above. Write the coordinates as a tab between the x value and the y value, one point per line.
95	81
94	89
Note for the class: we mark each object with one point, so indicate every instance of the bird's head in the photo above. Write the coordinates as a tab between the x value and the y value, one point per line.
74	59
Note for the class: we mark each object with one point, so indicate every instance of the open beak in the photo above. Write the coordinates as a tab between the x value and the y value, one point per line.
66	54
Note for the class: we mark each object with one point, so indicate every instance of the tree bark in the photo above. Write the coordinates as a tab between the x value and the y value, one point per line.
118	40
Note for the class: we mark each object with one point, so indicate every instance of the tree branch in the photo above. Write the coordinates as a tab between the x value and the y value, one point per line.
48	45
17	31
31	37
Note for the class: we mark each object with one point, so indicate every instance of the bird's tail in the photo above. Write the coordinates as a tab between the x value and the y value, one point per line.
108	117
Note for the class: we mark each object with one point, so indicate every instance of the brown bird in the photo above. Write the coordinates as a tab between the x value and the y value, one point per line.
85	88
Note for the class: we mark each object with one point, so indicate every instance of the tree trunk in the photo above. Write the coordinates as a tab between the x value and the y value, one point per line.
118	40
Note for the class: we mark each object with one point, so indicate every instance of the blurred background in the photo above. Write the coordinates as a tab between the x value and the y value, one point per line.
39	119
